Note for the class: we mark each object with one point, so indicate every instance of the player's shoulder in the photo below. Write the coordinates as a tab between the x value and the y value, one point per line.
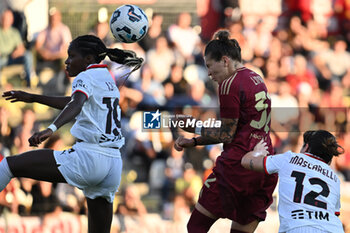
243	79
283	156
250	77
83	79
83	75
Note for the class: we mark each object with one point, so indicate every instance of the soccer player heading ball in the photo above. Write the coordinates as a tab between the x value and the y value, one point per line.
232	191
309	190
94	162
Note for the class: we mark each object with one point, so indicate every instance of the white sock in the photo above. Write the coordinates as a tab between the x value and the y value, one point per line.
5	174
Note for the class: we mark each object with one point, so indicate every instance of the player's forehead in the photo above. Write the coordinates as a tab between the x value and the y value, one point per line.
73	49
209	61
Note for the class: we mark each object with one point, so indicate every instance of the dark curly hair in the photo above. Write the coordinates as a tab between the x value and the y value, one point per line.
222	45
322	144
92	45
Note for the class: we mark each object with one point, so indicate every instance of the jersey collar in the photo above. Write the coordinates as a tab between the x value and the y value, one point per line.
92	66
314	156
241	68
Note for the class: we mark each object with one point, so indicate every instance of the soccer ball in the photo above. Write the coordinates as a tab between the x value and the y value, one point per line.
128	24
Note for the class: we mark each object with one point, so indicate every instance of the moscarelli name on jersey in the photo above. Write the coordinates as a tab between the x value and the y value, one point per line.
296	160
309	214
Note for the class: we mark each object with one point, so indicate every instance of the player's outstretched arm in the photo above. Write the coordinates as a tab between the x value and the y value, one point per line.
254	160
58	102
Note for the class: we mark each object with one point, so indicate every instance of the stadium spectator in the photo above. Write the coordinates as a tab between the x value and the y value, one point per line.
182	29
51	46
161	56
24	195
300	198
285	110
102	31
176	87
232	191
210	13
181	211
7	133
260	38
12	49
154	32
152	90
131	204
300	73
44	198
336	59
174	170
27	127
189	185
93	88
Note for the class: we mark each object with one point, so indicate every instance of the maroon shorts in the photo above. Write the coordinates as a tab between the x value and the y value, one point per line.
225	200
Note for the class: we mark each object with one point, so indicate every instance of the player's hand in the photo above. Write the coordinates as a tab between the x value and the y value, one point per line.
182	142
15	96
261	148
39	137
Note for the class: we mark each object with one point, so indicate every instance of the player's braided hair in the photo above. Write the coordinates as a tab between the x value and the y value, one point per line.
322	144
92	45
222	45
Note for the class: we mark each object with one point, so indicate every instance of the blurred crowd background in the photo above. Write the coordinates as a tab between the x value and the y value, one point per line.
301	48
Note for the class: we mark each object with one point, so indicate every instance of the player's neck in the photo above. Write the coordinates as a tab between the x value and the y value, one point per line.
236	66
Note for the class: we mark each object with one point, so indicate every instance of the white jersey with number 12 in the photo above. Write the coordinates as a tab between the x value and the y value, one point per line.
309	191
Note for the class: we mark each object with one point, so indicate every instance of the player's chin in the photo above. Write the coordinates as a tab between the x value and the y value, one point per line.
71	73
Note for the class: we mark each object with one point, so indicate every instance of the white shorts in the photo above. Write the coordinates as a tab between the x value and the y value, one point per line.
94	169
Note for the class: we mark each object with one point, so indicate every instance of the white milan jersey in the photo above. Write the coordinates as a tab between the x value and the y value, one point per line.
309	192
99	120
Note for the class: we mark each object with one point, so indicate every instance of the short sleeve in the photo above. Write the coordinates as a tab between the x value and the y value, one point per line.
337	205
274	163
83	84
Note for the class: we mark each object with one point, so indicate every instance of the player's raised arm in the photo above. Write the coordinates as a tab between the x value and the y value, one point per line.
58	102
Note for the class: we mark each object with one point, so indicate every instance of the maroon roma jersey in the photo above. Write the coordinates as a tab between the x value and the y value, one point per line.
232	191
244	96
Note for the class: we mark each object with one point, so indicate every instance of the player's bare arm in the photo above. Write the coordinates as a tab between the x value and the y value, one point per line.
71	110
209	136
58	102
254	160
223	135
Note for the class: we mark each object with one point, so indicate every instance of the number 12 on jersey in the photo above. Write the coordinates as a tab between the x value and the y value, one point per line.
310	197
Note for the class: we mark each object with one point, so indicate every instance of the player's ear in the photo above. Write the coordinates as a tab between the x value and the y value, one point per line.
89	59
225	59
